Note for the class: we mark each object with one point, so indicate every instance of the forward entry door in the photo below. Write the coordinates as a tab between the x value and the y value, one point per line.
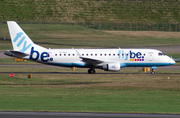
150	54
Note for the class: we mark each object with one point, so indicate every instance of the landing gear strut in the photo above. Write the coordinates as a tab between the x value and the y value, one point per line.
91	71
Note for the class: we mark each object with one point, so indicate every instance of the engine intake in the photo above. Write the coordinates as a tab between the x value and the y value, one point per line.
112	67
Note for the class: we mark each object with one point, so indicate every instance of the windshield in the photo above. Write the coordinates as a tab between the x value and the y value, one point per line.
160	54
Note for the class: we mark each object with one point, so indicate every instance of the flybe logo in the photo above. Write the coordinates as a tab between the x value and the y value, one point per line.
132	55
44	56
22	41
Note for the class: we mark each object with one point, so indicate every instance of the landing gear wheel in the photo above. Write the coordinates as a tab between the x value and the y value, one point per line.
91	71
152	72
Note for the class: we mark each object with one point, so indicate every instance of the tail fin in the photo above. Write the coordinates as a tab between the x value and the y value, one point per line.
20	40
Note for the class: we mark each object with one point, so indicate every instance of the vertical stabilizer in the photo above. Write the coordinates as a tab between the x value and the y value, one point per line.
20	40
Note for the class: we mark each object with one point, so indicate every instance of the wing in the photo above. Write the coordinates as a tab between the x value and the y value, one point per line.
89	61
17	54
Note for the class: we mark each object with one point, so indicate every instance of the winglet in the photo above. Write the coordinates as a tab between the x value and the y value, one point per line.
78	54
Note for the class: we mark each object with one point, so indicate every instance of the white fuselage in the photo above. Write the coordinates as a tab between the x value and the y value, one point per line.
125	57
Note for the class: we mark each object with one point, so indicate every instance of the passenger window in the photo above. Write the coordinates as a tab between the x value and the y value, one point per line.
73	54
59	54
91	54
68	54
104	54
100	54
64	54
95	54
82	54
109	54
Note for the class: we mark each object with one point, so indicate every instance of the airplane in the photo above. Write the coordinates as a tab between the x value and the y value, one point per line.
106	59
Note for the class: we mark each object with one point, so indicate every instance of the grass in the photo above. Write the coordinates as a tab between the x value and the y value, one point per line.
84	10
19	10
79	100
174	55
110	93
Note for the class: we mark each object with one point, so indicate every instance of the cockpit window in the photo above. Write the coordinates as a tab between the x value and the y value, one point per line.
160	54
163	54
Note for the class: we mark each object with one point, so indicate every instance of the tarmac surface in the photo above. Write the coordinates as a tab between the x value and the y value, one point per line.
172	67
80	115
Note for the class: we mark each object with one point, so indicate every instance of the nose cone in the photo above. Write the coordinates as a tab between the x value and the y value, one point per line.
166	61
171	61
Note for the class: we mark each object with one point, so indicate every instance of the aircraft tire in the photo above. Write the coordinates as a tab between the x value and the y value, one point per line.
152	72
91	71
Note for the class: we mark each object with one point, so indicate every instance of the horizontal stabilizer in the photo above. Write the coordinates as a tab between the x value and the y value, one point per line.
17	54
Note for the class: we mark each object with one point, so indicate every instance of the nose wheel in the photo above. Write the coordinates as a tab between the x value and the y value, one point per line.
152	72
91	71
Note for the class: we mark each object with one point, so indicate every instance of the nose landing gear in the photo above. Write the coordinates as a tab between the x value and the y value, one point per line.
153	68
152	72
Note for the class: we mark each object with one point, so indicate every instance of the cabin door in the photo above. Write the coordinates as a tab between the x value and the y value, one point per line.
150	54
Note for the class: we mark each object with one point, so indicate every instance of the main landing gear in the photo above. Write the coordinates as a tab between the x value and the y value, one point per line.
91	71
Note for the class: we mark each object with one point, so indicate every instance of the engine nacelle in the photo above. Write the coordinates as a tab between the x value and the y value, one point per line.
112	67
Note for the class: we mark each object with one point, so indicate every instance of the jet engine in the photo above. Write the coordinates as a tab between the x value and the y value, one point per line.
111	67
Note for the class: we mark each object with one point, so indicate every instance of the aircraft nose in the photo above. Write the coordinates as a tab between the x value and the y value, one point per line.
171	61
